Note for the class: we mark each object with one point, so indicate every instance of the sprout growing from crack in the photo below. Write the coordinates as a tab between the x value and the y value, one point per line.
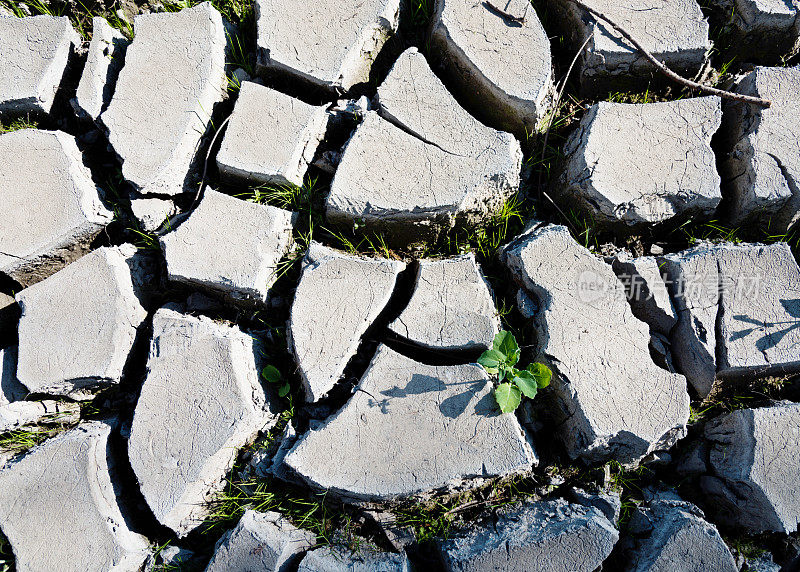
514	383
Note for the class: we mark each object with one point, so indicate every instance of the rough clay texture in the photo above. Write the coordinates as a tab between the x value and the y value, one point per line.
151	212
328	559
181	456
644	163
503	69
105	59
647	292
271	137
761	31
229	245
451	306
156	132
763	168
737	316
59	509
608	502
337	299
553	535
10	388
261	541
35	53
78	326
290	39
754	478
762	563
673	535
410	428
440	168
676	33
67	213
601	387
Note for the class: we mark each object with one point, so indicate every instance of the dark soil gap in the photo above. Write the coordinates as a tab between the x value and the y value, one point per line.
135	510
430	356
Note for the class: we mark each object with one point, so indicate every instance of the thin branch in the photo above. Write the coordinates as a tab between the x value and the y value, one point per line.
558	101
203	179
503	14
668	72
466	506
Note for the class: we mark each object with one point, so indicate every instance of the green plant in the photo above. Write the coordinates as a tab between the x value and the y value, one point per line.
145	240
501	361
21	440
305	510
273	375
17	124
421	11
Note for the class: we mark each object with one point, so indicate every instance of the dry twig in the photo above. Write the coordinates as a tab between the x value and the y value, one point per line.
668	72
203	179
554	111
503	14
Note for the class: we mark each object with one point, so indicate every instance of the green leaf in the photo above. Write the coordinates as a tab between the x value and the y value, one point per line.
505	343
283	390
526	383
271	374
491	360
508	397
541	373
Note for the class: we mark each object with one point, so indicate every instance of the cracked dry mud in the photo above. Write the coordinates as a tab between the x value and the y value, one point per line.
247	269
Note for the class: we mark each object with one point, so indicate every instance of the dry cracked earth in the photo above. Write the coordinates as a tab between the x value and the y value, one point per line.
251	252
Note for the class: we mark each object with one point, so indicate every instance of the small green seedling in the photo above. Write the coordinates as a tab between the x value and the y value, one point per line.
273	375
514	383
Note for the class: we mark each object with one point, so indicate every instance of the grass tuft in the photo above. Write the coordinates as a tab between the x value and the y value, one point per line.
17	124
21	440
307	510
628	482
434	518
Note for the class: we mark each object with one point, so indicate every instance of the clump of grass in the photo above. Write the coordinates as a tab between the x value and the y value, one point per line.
628	97
485	239
287	196
357	243
421	12
713	231
746	546
693	232
234	11
628	482
163	567
80	19
545	155
21	440
17	124
240	52
730	397
144	240
428	520
434	518
306	201
305	510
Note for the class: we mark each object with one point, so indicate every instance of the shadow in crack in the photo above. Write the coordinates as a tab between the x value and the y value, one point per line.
770	340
